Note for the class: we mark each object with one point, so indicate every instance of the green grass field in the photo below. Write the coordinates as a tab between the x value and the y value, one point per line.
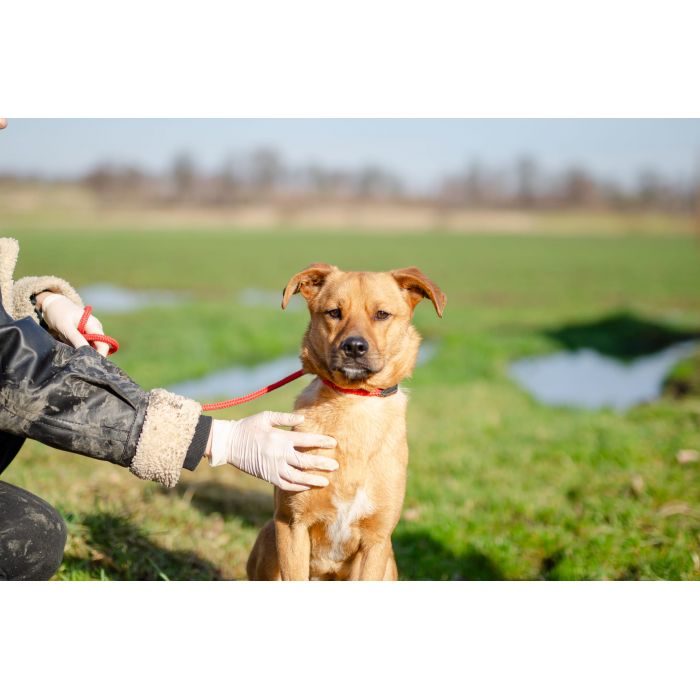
499	486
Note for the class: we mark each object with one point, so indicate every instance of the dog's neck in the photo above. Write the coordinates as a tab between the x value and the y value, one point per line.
383	393
331	407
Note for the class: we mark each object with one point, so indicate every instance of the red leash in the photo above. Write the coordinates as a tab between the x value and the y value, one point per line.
92	338
254	395
114	346
290	378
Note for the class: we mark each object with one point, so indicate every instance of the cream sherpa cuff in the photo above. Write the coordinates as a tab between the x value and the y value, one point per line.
166	435
23	289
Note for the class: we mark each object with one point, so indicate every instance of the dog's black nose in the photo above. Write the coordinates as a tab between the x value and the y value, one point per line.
354	346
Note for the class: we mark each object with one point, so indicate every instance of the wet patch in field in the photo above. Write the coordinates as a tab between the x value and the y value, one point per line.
586	378
267	299
111	299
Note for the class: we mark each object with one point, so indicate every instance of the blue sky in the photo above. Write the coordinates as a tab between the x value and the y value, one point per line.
420	150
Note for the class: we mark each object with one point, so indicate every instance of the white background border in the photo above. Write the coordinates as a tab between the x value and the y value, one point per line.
424	640
362	58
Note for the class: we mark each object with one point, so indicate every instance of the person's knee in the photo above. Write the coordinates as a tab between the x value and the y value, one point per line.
32	546
45	553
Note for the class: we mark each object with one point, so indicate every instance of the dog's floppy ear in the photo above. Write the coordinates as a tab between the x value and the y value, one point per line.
419	287
308	282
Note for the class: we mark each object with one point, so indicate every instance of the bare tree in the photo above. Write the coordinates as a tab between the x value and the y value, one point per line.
226	183
579	189
117	183
526	173
697	207
374	182
184	176
266	170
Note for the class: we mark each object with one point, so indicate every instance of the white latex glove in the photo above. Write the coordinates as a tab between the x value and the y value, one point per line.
256	447
63	316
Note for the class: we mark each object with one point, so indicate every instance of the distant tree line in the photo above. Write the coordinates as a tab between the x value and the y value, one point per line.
525	185
263	176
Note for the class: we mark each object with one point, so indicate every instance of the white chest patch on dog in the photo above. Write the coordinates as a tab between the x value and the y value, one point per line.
347	513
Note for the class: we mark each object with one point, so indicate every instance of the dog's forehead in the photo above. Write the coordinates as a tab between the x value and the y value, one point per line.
351	286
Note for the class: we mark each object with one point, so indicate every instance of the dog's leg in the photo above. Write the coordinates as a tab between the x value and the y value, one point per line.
293	550
391	573
375	560
262	562
355	569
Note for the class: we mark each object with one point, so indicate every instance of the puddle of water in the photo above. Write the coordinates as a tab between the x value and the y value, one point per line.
426	352
587	379
108	298
239	380
266	298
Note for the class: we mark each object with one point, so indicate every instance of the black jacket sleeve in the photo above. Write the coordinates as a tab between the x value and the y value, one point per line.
75	400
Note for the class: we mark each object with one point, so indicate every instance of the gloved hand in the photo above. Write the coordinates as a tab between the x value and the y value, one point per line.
257	448
63	316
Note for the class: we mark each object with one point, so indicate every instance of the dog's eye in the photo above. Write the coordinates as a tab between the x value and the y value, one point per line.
333	313
382	315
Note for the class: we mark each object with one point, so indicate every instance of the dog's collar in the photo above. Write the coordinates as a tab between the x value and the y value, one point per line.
361	392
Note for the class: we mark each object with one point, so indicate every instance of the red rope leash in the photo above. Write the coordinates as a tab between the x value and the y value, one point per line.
295	375
92	338
114	346
254	395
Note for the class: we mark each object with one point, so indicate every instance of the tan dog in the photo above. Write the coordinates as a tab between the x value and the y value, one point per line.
360	339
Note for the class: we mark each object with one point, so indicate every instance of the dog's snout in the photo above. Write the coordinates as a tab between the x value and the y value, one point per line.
354	346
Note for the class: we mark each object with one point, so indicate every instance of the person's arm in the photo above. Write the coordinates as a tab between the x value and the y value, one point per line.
76	400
